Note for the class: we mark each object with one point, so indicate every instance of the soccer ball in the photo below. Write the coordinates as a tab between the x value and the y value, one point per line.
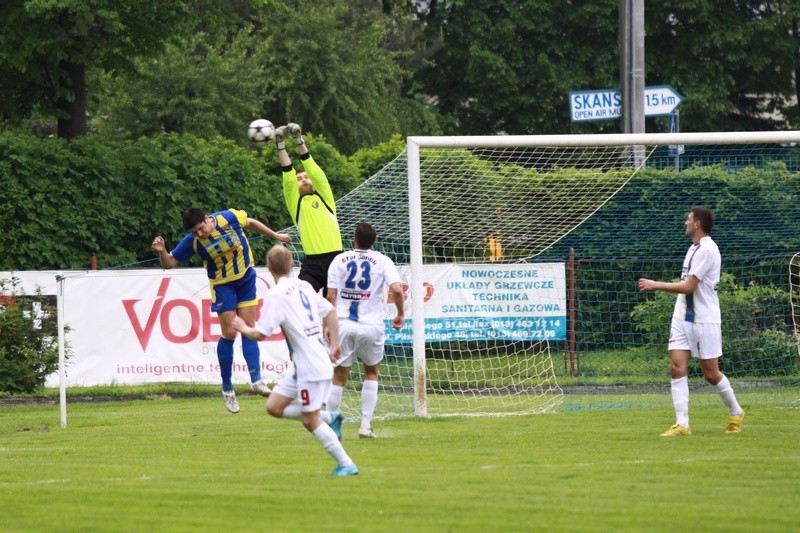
260	130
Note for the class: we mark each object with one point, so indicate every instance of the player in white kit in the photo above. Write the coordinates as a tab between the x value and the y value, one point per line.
696	329
293	306
356	286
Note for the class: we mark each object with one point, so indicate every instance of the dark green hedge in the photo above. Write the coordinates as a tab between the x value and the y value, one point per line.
66	201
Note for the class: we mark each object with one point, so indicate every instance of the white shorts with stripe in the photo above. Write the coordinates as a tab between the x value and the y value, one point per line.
703	339
309	394
362	341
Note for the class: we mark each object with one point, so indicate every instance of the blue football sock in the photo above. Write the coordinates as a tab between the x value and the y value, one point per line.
252	356
225	358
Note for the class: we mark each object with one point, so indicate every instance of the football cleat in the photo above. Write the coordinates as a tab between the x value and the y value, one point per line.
341	471
231	403
735	424
676	430
336	425
260	388
366	433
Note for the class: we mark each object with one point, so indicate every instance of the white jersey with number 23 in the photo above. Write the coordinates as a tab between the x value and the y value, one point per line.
360	278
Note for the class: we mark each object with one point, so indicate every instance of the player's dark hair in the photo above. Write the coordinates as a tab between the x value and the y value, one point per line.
705	217
365	236
192	217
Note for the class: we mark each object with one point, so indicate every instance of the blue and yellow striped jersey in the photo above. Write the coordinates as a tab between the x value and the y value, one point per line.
226	253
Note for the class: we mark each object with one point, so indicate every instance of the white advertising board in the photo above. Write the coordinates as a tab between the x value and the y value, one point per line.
150	325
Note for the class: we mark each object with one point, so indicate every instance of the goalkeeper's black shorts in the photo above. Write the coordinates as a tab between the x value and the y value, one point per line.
314	269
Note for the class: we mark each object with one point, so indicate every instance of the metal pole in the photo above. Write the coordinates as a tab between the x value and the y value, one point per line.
62	375
631	37
631	29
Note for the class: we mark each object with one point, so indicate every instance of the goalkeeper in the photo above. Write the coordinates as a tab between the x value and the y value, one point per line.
311	204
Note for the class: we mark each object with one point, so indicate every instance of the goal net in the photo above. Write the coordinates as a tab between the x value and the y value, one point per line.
521	255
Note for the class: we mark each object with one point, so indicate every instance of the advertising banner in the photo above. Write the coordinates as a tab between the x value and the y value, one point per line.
489	302
147	326
143	326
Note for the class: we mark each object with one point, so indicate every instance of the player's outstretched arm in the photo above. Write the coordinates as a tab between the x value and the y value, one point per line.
248	331
261	228
686	286
160	246
280	136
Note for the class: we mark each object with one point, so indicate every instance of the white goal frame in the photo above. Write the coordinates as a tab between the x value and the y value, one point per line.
415	143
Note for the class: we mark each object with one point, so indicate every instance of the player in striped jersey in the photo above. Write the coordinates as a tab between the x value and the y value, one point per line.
220	241
356	286
696	323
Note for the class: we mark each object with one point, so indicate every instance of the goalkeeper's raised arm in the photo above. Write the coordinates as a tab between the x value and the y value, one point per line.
310	202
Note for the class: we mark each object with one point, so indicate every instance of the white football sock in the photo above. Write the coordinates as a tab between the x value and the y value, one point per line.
680	400
369	399
334	398
327	437
727	395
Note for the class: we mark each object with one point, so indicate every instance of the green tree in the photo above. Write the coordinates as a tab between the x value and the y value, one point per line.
47	47
207	84
509	66
28	339
735	62
338	77
337	68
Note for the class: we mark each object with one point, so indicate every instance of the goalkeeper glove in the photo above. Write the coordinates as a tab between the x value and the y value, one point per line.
296	132
280	137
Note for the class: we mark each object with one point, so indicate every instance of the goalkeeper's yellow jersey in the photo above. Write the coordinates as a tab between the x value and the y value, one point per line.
313	214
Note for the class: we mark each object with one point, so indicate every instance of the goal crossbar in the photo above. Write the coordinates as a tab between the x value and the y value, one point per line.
620	139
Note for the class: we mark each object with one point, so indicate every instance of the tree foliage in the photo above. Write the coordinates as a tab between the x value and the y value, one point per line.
326	66
508	67
360	71
46	48
28	339
734	61
205	85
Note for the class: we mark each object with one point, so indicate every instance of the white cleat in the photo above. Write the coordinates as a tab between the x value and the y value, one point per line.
231	403
366	433
260	388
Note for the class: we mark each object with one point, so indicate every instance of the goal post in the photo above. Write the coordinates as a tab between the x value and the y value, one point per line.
460	212
416	289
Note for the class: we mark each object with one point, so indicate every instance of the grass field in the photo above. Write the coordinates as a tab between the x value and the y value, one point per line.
186	464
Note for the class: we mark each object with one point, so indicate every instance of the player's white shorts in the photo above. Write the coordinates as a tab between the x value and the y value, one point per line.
704	340
364	341
309	394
